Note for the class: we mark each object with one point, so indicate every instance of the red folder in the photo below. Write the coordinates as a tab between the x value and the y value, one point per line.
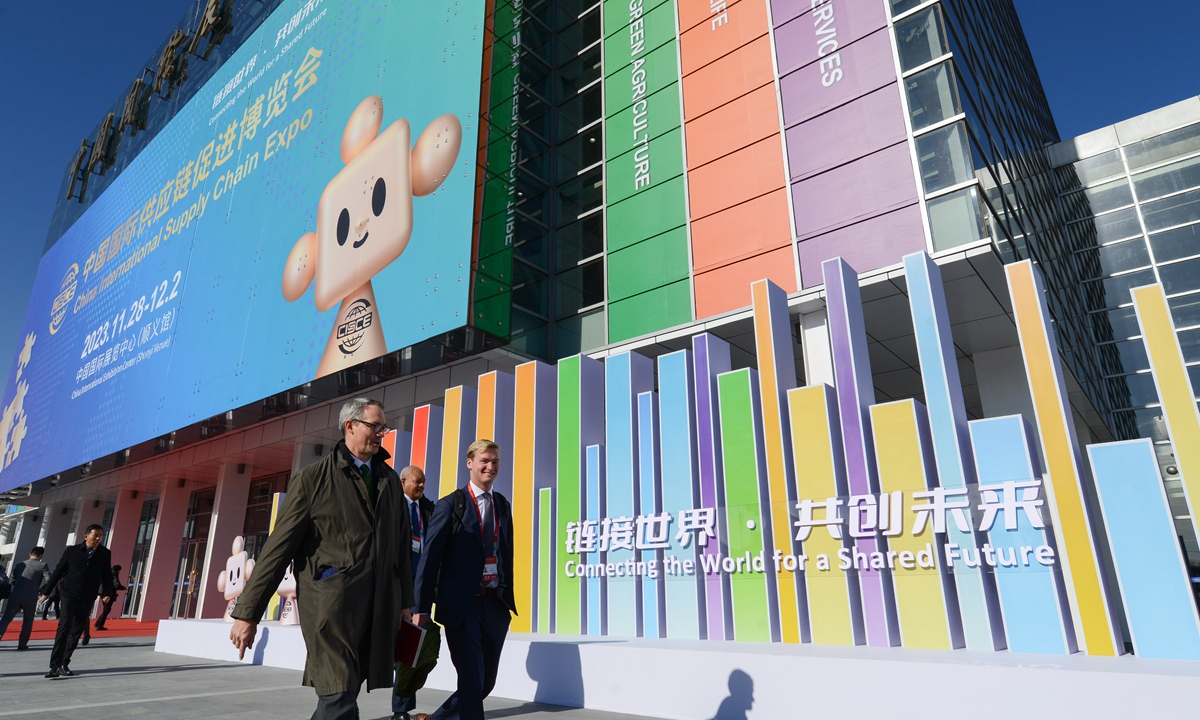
408	643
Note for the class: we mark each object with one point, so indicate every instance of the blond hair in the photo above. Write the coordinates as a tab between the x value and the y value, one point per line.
479	446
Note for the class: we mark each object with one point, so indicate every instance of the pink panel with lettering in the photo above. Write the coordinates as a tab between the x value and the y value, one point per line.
853	71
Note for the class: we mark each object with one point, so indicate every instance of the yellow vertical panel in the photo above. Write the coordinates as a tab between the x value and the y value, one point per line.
451	428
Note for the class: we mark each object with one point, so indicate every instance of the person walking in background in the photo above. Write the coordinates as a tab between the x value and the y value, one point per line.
27	578
420	509
467	570
344	524
83	569
107	606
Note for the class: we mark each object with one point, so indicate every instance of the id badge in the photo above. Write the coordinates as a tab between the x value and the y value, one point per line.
490	573
416	544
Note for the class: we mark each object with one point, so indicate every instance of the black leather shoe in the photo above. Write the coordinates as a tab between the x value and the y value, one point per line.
85	641
22	647
53	673
65	671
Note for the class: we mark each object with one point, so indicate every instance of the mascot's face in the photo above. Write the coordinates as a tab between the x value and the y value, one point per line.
365	216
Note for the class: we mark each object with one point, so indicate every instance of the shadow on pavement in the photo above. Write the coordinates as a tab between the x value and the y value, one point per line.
119	671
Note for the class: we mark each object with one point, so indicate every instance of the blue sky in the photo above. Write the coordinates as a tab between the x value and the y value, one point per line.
63	63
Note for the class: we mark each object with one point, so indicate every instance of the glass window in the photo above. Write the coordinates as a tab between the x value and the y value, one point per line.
1167	179
585	192
1189	342
954	219
932	95
921	38
1185	310
1179	142
1119	257
944	157
580	287
1194	376
1115	324
1175	210
1092	170
1124	357
1178	243
1099	199
1143	420
1132	390
1114	291
528	334
1181	276
1106	228
903	6
581	333
580	240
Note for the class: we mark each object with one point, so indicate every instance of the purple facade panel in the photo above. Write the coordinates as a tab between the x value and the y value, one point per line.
870	186
785	10
872	244
808	38
851	72
867	125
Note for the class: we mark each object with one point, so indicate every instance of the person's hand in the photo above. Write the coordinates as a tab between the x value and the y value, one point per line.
106	599
421	619
242	636
406	615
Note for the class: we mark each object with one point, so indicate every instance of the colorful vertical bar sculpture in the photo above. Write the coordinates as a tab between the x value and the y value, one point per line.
684	588
1175	389
547	560
776	376
1151	569
625	375
494	421
926	602
856	393
1096	629
1037	615
832	603
711	357
580	423
745	475
427	445
458	432
594	459
398	443
983	626
533	470
650	503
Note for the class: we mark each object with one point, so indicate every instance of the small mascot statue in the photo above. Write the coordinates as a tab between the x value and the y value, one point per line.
232	580
289	610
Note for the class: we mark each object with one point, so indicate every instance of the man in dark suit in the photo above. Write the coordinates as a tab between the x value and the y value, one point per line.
420	510
466	569
27	578
83	570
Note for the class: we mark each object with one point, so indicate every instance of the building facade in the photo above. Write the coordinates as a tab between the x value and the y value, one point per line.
629	171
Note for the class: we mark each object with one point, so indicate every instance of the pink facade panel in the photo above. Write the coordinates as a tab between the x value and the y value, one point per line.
853	71
866	246
875	184
867	125
826	31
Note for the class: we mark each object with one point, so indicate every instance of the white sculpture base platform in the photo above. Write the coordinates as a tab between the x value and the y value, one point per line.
690	680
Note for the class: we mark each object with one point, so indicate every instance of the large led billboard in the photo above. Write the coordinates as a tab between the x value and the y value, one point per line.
309	209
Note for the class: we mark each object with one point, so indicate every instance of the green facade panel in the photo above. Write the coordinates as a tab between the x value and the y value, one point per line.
665	156
661	68
617	14
659	308
645	214
655	262
567	596
658	28
662	106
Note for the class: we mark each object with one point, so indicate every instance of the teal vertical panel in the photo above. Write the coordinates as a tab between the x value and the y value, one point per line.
650	557
681	491
545	567
1150	566
595	485
1037	614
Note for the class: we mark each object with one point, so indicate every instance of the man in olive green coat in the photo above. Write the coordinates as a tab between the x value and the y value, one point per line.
344	524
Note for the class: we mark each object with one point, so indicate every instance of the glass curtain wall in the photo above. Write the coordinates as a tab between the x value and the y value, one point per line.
140	561
1134	217
980	123
542	234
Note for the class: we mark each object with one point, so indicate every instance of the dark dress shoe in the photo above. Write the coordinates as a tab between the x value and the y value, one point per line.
22	647
65	671
85	641
53	673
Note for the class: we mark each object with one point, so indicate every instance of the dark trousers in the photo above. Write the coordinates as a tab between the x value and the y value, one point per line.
72	621
475	646
338	706
103	613
28	608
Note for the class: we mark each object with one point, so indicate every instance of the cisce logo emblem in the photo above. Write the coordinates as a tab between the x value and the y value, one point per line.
65	295
358	319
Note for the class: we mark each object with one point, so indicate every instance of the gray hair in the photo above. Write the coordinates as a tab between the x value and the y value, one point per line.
354	409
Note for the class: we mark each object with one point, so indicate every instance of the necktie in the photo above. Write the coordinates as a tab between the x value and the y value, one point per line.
365	470
485	512
416	520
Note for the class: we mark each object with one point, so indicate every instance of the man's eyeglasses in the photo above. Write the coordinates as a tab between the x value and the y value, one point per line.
377	428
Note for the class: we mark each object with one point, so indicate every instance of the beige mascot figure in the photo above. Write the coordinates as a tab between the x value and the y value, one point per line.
232	580
289	611
364	221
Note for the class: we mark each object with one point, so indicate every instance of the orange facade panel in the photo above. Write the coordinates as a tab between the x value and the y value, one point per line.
741	231
753	171
703	44
712	14
731	127
728	287
747	68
